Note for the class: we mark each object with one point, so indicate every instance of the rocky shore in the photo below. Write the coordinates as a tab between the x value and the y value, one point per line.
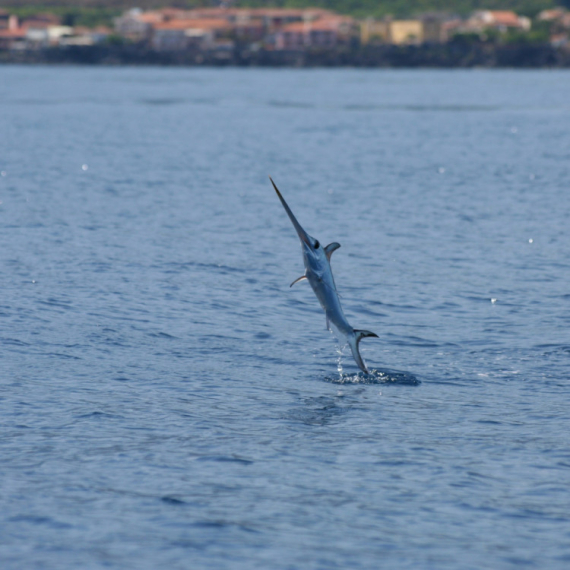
454	54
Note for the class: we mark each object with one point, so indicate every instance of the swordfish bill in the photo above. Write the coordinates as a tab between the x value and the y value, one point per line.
319	274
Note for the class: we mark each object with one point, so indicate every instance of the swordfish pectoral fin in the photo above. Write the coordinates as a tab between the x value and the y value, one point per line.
298	279
330	248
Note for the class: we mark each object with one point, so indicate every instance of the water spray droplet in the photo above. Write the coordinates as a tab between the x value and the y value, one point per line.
84	167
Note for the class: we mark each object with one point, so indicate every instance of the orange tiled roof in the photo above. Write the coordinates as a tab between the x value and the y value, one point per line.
322	24
150	17
214	12
194	23
13	34
326	24
171	12
552	14
290	12
505	17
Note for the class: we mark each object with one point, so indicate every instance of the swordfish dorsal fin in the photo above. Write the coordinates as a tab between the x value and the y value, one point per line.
298	279
330	248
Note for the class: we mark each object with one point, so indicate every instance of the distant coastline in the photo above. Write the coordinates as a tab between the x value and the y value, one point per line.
287	37
450	55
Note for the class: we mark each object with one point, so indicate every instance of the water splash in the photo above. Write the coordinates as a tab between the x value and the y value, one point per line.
340	346
376	377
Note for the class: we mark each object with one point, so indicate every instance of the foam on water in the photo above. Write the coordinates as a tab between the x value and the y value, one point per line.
376	377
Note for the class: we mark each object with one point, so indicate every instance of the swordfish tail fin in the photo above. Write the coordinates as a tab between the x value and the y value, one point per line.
354	340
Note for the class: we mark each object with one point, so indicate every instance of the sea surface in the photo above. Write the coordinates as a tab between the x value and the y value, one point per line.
167	401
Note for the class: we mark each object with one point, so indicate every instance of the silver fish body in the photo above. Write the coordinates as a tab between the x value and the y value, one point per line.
318	273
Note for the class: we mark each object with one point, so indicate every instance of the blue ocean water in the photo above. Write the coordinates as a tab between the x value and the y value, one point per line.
167	401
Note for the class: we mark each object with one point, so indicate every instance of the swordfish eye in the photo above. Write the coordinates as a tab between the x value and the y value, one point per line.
317	244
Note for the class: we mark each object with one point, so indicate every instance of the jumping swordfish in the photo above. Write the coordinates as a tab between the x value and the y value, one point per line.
319	274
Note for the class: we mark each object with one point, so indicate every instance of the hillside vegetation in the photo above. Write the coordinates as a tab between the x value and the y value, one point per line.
408	8
93	12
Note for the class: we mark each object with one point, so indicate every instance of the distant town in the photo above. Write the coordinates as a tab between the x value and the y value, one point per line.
282	36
